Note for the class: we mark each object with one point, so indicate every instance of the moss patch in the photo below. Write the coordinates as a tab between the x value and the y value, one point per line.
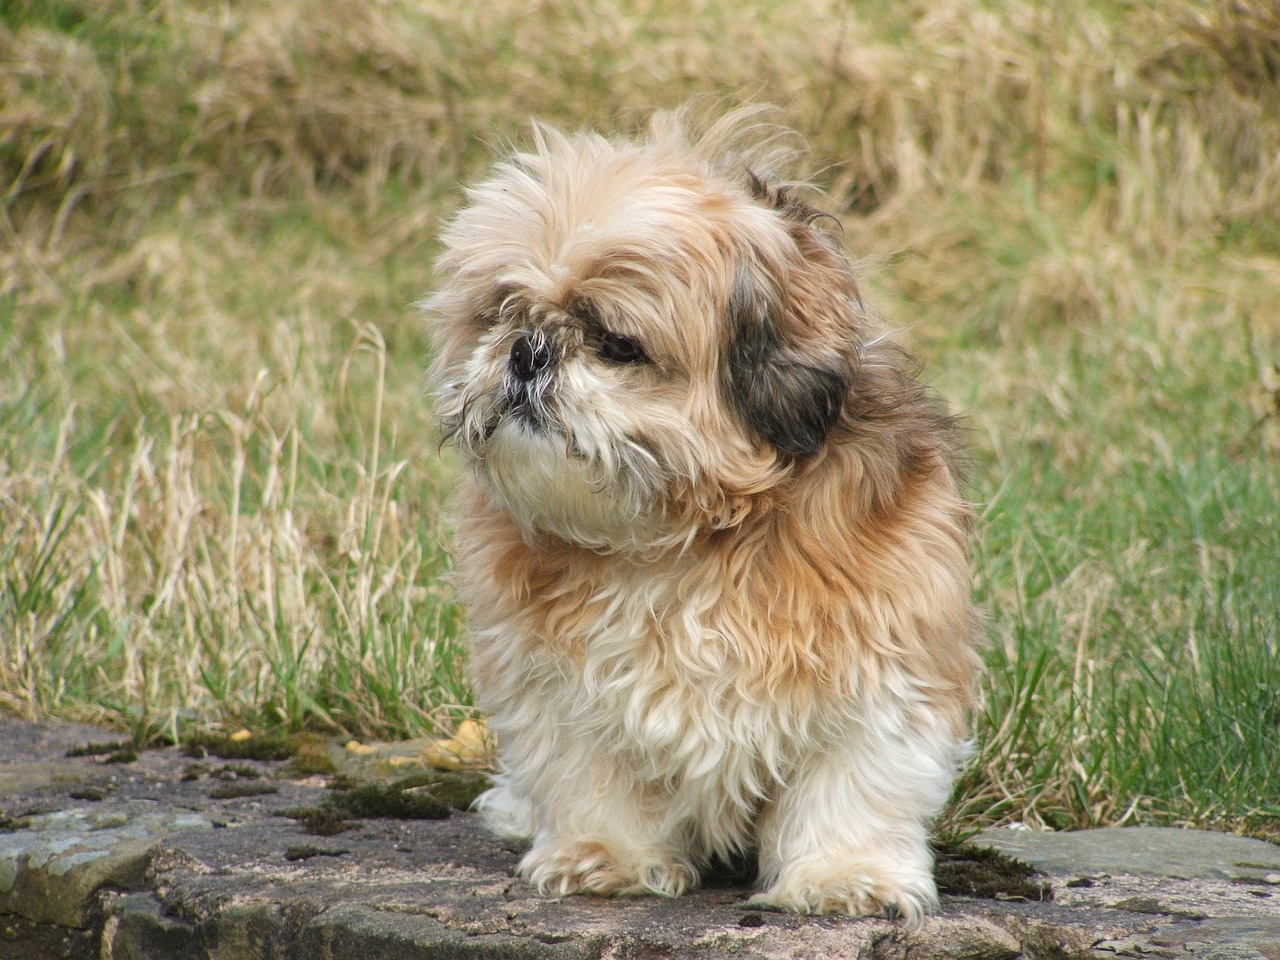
964	870
456	789
430	795
103	749
306	851
390	801
235	789
321	821
312	757
268	746
236	771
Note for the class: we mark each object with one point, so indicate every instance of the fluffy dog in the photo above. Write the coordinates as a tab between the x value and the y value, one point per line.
710	533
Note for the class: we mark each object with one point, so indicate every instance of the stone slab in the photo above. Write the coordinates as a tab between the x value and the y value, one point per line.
1141	851
152	860
51	868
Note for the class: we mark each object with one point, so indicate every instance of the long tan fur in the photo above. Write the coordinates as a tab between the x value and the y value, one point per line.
710	534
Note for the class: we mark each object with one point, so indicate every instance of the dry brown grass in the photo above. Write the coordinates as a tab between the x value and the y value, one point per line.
220	490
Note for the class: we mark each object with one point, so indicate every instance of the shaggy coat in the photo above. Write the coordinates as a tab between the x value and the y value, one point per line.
710	533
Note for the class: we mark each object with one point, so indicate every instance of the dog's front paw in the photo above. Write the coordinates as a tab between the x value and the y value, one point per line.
588	866
505	813
857	889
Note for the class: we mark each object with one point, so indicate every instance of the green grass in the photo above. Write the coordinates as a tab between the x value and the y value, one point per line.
220	490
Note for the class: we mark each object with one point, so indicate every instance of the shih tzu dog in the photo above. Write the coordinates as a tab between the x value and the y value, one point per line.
710	533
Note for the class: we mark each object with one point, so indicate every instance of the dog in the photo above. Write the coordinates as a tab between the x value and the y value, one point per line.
710	533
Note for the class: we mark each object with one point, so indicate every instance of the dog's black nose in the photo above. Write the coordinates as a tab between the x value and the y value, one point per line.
528	356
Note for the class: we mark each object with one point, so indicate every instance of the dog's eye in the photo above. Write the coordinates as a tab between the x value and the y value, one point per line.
616	348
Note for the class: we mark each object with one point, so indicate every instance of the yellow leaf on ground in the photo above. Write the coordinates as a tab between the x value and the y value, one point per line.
471	746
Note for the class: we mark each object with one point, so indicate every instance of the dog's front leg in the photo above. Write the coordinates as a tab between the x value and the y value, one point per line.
595	827
849	831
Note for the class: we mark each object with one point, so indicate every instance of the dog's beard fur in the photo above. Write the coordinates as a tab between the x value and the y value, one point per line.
710	534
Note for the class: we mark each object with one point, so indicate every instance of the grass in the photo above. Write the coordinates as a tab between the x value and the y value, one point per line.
220	493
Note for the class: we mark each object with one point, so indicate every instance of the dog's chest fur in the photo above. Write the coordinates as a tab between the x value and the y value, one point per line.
658	666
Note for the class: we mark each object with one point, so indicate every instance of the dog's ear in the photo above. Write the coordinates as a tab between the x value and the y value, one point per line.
780	372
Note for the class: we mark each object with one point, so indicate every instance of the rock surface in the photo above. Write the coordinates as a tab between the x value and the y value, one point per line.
150	857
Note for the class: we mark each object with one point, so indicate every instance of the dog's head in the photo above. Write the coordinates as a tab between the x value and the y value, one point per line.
639	341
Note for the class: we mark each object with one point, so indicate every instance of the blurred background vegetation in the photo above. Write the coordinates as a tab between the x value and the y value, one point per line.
220	490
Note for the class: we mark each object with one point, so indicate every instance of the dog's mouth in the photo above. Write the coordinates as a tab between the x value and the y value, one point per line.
524	413
531	414
527	416
523	408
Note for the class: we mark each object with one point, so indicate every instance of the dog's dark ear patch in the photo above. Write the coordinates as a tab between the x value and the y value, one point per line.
790	398
783	200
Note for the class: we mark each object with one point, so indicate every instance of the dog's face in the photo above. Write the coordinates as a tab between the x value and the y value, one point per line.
636	345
